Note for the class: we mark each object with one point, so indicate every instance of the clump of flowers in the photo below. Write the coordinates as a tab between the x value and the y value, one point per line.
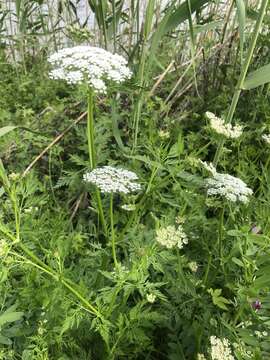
113	180
151	298
88	64
266	138
171	236
201	357
193	266
221	128
229	187
220	349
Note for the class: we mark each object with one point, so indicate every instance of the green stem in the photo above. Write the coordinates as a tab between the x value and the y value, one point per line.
90	130
92	152
114	25
220	235
180	269
242	76
104	25
112	232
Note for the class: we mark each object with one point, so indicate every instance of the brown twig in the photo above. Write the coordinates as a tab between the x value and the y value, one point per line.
55	141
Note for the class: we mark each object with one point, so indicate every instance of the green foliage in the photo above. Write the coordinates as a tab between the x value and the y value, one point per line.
62	297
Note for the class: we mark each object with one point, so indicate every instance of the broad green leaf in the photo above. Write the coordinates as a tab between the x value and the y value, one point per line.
257	78
238	262
6	129
8	317
174	17
5	340
241	14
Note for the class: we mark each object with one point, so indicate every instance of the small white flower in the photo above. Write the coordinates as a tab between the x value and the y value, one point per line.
201	357
112	180
89	64
219	126
220	349
193	266
128	207
151	298
209	167
171	236
30	209
230	187
266	138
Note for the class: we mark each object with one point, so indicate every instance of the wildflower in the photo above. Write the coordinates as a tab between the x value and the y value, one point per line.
172	236
112	180
201	357
14	176
164	134
257	305
151	298
180	219
88	64
266	138
3	247
230	187
220	349
193	266
209	167
128	207
227	130
30	209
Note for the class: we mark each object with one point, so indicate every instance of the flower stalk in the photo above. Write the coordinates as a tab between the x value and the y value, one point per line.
242	76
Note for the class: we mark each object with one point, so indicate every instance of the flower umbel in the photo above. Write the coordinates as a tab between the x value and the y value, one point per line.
230	187
113	180
151	298
219	126
89	64
220	349
171	236
266	138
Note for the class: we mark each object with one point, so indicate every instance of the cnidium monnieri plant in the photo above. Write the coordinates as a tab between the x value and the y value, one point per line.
228	189
96	69
113	180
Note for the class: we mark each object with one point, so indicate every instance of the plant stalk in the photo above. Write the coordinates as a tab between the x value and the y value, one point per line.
242	76
112	232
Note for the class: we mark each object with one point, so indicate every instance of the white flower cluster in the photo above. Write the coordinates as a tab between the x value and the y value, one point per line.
230	187
219	126
266	138
151	298
220	349
201	357
112	180
89	64
171	236
209	167
193	266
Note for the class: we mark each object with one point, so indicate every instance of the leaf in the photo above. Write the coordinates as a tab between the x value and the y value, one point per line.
238	262
218	300
8	317
206	27
173	18
241	13
257	78
6	129
5	340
